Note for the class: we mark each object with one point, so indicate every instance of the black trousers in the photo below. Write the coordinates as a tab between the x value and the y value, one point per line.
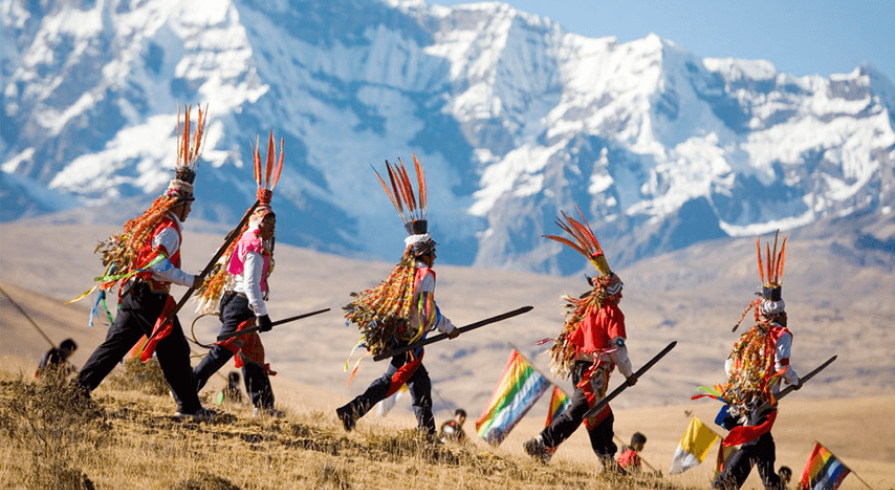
235	310
567	422
138	311
420	387
761	453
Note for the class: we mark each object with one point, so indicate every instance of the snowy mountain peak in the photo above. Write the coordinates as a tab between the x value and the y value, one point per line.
514	118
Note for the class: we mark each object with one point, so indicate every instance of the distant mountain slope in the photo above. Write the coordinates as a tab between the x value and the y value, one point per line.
838	291
515	118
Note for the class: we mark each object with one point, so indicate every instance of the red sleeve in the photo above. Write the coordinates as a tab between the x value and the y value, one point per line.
615	321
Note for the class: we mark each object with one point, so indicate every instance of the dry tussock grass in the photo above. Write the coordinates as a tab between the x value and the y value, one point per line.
136	374
128	439
53	422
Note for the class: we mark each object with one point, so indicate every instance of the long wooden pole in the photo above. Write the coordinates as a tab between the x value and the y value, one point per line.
471	326
25	314
233	235
640	372
274	324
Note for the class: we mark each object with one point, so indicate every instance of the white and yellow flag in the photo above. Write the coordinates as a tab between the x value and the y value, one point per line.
694	447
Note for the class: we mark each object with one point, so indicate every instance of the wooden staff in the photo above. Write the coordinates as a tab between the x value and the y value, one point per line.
437	338
789	389
274	324
27	316
605	401
233	235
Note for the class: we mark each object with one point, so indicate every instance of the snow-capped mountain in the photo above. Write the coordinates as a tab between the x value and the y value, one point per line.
514	118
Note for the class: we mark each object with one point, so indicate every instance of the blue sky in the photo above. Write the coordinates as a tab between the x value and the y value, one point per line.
801	37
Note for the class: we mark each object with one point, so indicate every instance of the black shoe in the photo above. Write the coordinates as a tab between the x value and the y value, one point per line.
200	415
346	417
536	448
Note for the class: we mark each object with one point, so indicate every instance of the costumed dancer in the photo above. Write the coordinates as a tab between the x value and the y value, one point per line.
756	367
55	360
591	344
239	285
401	309
144	260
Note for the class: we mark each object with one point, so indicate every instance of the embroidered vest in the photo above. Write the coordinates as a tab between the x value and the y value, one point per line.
250	241
148	253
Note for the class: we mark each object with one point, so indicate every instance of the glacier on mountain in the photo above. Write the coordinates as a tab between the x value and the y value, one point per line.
515	119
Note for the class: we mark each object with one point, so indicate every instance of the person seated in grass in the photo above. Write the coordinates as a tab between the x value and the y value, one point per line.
56	359
452	430
629	460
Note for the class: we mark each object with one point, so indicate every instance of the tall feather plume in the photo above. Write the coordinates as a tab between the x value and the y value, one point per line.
391	197
200	126
399	199
279	170
585	242
177	132
760	263
256	160
268	177
771	268
780	261
271	155
185	152
421	183
411	199
410	205
773	257
189	149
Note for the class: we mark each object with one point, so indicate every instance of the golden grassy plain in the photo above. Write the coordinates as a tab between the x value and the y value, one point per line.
848	408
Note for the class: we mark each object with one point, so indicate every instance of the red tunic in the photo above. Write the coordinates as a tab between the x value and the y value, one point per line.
594	332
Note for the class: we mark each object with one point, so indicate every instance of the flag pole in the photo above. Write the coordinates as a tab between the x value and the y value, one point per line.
524	357
851	471
564	393
861	479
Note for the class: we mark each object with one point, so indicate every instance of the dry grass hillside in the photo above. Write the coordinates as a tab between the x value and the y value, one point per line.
839	302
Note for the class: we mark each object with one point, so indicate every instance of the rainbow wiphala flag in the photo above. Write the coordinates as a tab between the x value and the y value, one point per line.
520	386
823	470
558	404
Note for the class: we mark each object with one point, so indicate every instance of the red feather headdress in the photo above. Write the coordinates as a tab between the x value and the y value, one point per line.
584	242
411	207
208	294
271	172
770	269
188	151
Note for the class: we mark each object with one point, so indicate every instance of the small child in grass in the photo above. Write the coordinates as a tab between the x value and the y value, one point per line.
629	460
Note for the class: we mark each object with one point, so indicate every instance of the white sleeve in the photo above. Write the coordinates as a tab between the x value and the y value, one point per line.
781	358
251	274
427	285
443	323
620	357
169	241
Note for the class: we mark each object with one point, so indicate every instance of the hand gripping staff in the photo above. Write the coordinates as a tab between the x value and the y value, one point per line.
802	381
274	324
233	235
608	398
437	338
